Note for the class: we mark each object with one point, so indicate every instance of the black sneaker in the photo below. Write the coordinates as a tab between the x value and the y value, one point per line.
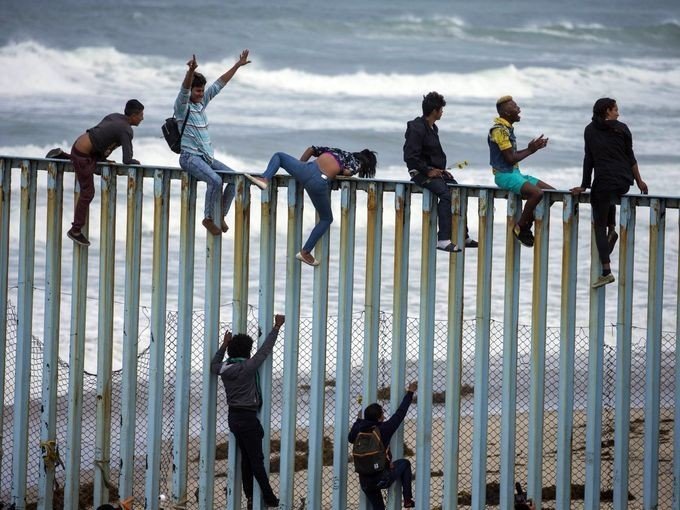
78	237
271	503
524	235
612	237
471	243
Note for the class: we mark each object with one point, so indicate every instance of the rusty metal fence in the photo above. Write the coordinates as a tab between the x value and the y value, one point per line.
384	377
534	397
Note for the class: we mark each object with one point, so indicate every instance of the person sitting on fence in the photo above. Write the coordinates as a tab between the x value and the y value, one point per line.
316	177
426	163
505	160
96	144
608	150
241	380
372	459
196	154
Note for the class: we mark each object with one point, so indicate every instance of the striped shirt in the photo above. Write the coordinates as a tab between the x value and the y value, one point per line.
196	139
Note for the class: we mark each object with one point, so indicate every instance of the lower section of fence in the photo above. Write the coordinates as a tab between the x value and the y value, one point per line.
52	454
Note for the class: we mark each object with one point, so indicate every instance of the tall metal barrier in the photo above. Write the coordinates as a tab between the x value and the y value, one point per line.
525	372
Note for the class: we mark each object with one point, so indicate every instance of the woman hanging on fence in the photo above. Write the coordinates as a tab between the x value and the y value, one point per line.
316	177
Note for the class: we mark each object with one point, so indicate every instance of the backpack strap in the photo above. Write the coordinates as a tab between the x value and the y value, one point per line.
184	124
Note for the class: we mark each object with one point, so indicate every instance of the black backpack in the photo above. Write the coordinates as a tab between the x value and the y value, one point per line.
368	452
172	133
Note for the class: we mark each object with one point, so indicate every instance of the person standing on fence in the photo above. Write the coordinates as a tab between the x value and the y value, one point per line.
426	162
96	144
317	177
196	154
241	380
386	471
608	150
504	160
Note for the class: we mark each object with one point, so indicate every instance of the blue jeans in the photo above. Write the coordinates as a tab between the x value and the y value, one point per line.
201	170
318	188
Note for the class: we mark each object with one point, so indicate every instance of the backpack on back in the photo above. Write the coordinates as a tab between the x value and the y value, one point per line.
368	452
172	134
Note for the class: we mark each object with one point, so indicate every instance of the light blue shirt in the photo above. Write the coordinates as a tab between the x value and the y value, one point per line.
196	138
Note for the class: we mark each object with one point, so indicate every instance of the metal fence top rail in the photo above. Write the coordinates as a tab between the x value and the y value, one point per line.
670	201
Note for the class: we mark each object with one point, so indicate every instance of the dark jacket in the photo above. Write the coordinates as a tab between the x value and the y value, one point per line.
387	428
240	378
422	149
608	150
112	132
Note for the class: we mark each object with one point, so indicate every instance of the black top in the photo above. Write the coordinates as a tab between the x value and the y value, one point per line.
113	131
422	150
346	160
608	150
387	428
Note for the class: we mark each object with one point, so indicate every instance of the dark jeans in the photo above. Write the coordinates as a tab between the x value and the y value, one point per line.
84	166
438	186
602	202
373	485
247	429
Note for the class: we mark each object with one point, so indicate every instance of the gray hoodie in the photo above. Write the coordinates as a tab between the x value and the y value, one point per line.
240	378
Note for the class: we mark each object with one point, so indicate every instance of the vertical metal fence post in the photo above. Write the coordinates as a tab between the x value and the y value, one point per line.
482	340
187	253
5	198
291	347
317	389
241	255
454	352
537	369
565	412
595	368
624	323
657	234
426	348
371	342
161	191
22	384
510	340
128	411
50	365
107	265
343	370
402	211
266	314
239	319
372	299
211	341
676	429
76	364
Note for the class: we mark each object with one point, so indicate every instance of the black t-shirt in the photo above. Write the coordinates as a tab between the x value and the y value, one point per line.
112	132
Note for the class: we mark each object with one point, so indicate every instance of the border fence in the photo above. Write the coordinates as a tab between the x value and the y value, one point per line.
584	416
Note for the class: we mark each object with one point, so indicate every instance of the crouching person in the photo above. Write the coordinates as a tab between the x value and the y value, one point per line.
242	384
372	459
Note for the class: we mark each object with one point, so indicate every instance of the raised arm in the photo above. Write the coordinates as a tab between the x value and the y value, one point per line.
189	77
243	60
217	365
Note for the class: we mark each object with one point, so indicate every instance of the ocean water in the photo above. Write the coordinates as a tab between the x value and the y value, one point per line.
351	74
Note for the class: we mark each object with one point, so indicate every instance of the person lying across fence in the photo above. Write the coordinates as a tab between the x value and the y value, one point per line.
96	144
505	160
609	151
241	380
378	472
197	155
316	177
